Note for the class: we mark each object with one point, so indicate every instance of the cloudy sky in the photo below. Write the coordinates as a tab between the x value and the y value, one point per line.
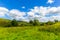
43	10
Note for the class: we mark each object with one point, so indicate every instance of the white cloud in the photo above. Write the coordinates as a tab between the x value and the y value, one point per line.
31	14
16	14
56	17
43	11
37	12
23	7
3	11
50	1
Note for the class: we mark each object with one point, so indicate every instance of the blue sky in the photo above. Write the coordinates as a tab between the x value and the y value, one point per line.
18	4
17	8
28	4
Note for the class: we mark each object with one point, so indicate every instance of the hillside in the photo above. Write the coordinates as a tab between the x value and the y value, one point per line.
26	33
33	30
4	21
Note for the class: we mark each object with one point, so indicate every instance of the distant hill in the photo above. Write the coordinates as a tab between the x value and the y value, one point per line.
4	21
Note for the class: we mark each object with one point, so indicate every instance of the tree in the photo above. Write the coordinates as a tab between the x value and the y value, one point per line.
31	22
14	22
49	23
55	21
42	24
36	22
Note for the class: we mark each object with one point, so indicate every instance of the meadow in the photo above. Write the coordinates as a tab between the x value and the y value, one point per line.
27	33
10	30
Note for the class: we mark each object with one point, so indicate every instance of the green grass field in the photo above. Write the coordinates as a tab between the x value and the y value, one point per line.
26	33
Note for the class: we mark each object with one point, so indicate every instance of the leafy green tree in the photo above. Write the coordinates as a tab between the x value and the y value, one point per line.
56	21
14	22
31	22
49	23
42	24
8	25
36	22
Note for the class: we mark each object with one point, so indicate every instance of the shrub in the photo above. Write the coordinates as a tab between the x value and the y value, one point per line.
14	22
36	23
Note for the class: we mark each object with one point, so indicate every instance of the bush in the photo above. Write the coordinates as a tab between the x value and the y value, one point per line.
36	23
8	25
49	23
14	22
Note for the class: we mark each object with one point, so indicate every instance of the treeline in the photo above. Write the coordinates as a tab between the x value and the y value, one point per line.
43	26
15	23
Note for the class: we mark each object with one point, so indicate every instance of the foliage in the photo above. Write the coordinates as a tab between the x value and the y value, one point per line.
14	22
36	22
4	22
32	30
26	33
56	21
49	23
31	22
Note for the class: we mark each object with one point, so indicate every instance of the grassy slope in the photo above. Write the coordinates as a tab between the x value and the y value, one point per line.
4	21
26	33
